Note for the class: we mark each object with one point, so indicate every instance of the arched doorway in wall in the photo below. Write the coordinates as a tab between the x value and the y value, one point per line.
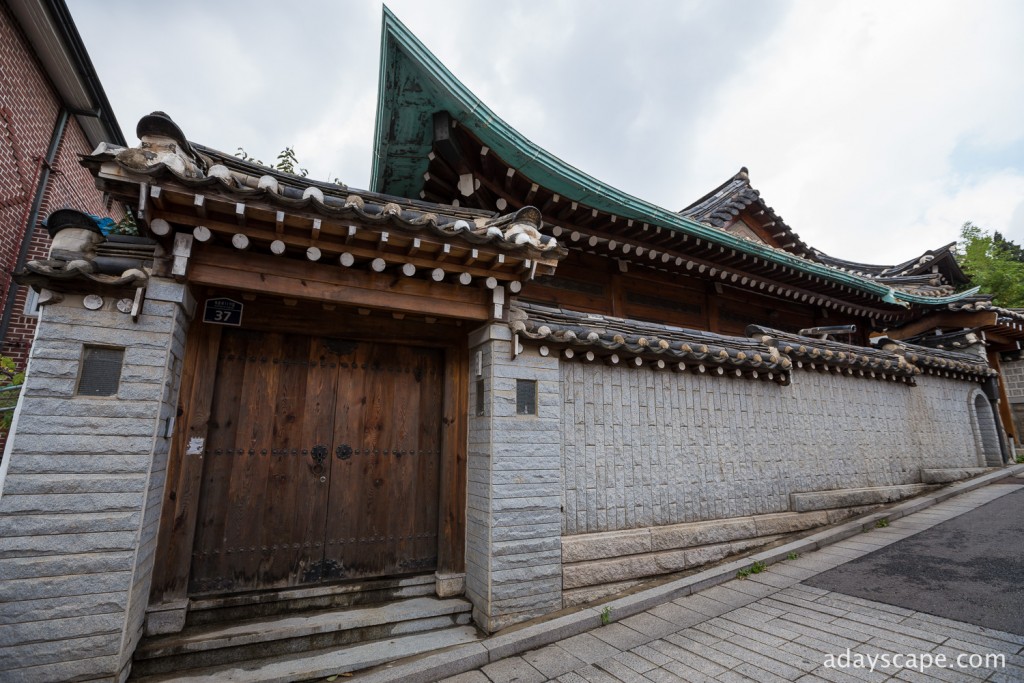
987	435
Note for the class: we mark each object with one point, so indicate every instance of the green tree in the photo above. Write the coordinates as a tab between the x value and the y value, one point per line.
993	263
10	381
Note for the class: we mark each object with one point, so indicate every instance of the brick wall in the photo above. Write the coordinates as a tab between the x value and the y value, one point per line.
81	497
29	108
646	448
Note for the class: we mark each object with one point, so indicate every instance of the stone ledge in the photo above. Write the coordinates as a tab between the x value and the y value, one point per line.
840	498
612	544
949	475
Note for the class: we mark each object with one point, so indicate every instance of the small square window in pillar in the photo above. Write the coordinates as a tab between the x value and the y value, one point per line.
101	371
526	397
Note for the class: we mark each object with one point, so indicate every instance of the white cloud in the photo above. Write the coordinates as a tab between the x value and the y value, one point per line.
850	116
874	128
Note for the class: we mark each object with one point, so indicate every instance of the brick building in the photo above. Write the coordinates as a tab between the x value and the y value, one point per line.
52	109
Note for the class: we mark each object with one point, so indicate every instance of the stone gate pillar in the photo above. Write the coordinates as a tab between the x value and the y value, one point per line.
514	518
82	484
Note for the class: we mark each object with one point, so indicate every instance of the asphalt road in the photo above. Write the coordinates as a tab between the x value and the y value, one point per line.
970	568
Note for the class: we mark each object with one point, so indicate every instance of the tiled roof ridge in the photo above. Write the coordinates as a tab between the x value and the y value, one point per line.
765	353
939	361
165	154
724	203
831	355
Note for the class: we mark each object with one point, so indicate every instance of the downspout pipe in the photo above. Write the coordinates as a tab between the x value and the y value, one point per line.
45	171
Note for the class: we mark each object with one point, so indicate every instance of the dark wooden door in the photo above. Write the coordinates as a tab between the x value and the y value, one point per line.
382	517
300	484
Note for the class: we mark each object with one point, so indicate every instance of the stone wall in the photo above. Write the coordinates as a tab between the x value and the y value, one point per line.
80	498
645	448
513	551
1013	375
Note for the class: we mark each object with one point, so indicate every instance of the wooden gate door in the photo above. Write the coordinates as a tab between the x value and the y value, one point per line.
382	516
321	463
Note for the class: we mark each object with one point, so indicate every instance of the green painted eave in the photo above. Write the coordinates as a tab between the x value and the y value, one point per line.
414	84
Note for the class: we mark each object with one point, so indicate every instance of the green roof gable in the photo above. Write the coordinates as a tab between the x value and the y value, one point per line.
414	84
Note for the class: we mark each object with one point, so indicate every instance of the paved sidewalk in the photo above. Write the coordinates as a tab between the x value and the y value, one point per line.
771	627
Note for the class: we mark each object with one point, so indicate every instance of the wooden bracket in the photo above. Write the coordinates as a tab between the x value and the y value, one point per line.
181	252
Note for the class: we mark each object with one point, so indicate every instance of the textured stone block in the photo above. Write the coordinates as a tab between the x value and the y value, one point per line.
701	533
785	523
840	498
945	476
602	546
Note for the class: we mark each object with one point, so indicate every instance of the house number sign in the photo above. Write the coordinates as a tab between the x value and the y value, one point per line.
223	311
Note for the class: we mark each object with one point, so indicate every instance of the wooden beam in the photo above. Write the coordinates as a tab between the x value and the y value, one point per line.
331	246
453	472
325	283
185	469
944	320
1005	412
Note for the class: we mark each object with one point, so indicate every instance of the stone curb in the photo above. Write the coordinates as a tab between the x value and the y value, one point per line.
464	658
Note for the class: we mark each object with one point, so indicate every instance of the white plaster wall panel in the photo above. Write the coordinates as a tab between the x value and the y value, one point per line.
646	448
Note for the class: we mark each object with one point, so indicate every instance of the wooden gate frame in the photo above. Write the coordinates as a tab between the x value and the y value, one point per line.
184	473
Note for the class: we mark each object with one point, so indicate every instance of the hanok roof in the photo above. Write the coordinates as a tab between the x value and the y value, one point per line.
422	107
287	211
722	207
765	354
935	273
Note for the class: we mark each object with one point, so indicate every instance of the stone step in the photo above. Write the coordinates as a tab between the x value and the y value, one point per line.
318	664
235	608
223	643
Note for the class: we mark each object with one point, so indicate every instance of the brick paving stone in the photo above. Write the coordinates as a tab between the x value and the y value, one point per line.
588	647
760	631
620	671
790	569
634	661
687	672
621	636
647	623
513	670
552	661
704	651
765	609
651	655
660	675
758	590
594	675
756	673
777	580
728	595
571	677
682	617
745	652
699	603
468	677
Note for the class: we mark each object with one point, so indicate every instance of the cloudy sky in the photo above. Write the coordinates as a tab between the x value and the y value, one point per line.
874	128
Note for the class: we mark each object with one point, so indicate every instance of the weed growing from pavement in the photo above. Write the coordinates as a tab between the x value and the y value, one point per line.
606	616
792	556
755	568
1020	459
882	523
